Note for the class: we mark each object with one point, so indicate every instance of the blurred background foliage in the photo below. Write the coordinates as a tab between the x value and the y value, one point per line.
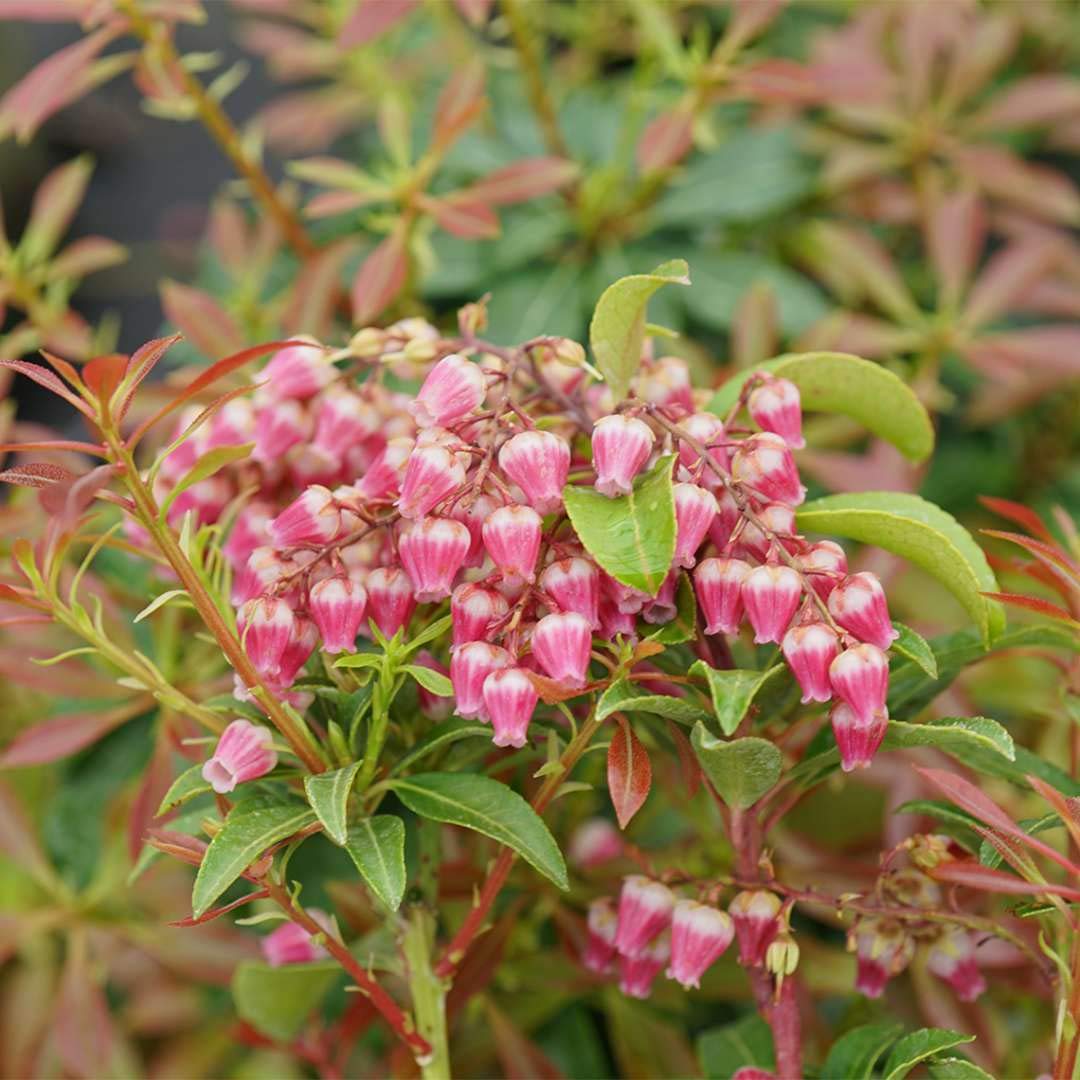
835	174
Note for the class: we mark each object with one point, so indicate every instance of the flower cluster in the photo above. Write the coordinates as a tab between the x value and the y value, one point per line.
368	502
885	946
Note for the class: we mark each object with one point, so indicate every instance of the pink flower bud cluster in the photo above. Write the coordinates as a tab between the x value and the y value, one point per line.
650	930
368	503
884	947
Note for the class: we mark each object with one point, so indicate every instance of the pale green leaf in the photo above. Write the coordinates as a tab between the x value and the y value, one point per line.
854	1055
480	803
632	537
625	696
918	1046
328	794
185	787
159	601
920	532
278	1000
433	681
841	383
741	770
955	1068
617	330
251	827
205	467
915	648
377	846
724	1050
733	692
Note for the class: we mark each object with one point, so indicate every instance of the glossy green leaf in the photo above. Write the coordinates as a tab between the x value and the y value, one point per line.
742	770
377	846
442	734
955	1068
854	1055
435	682
480	803
185	787
251	827
918	1046
724	1050
963	737
733	692
328	794
944	812
832	382
617	330
915	648
920	532
684	626
625	696
631	537
205	466
278	1000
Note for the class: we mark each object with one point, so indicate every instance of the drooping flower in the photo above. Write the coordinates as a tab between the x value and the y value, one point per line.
243	753
561	643
297	371
809	650
290	943
470	666
432	552
695	511
824	564
756	914
770	595
621	445
594	843
574	584
337	604
719	584
390	599
510	700
431	474
637	972
857	737
313	518
952	958
882	950
453	388
538	462
474	611
764	463
776	406
265	626
600	936
699	935
858	604
860	677
645	908
512	539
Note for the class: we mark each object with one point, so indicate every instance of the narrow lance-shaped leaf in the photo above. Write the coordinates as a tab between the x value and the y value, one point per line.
485	805
857	1051
633	536
328	794
617	330
377	847
186	786
834	382
629	773
205	467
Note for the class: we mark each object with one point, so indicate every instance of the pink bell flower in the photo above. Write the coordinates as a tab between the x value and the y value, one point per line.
776	406
243	753
432	473
719	584
756	914
860	678
952	958
432	552
574	585
313	518
453	388
882	950
337	604
470	665
297	371
637	973
857	738
561	643
699	935
621	445
538	462
824	564
265	626
858	604
474	611
390	599
695	511
645	908
512	539
764	463
600	936
510	699
809	650
770	595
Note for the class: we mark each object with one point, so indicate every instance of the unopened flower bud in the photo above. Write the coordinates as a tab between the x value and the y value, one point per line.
782	956
637	973
600	940
470	666
770	595
453	389
574	585
621	445
512	539
860	677
594	843
858	604
538	462
764	463
313	518
367	343
645	908
290	943
809	650
390	599
510	700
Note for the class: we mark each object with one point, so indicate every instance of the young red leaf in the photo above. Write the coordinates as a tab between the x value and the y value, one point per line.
371	19
86	256
36	474
210	376
104	374
779	81
156	778
143	360
1041	550
380	278
1036	189
17	594
475	12
629	773
466	219
60	737
1034	603
955	234
52	444
82	1031
64	369
216	913
974	875
44	377
665	141
1007	276
749	19
1035	101
17	839
315	292
524	180
201	319
1019	515
459	104
1068	808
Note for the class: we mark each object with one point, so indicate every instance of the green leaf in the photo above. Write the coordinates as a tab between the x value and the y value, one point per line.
251	827
433	681
617	330
377	846
733	691
278	1000
990	856
945	812
360	660
916	648
631	537
184	788
965	738
442	734
750	175
918	1046
625	696
955	1068
832	382
684	626
159	601
854	1055
742	770
328	794
922	533
205	467
480	803
724	1050
723	278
